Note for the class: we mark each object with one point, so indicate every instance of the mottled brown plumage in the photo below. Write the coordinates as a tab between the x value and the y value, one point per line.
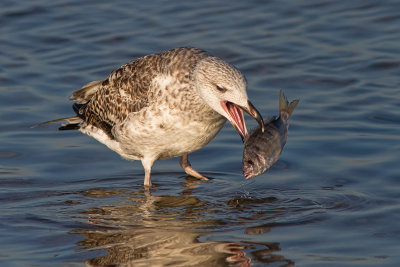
128	89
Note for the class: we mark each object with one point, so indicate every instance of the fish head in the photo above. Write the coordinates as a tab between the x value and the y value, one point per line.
253	164
223	88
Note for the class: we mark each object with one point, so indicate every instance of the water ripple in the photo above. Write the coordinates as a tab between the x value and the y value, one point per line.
331	199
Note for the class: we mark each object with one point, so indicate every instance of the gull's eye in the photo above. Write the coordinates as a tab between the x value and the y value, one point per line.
221	89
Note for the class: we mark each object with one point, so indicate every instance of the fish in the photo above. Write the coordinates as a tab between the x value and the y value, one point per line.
262	149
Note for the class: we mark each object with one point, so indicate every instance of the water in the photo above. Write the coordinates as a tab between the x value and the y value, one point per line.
331	200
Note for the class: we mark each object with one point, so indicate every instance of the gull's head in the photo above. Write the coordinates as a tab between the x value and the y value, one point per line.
223	88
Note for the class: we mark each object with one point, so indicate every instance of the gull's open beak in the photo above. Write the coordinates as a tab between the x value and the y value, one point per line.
236	117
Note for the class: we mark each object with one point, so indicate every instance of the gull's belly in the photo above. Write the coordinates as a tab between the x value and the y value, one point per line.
162	140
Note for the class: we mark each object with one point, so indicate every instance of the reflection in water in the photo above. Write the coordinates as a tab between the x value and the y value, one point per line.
147	230
269	257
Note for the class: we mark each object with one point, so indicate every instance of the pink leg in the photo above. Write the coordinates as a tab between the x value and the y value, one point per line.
147	164
185	164
147	178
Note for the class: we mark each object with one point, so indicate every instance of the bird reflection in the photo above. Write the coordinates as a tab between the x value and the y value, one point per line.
147	230
143	229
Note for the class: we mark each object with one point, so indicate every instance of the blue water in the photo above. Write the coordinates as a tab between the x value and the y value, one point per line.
332	199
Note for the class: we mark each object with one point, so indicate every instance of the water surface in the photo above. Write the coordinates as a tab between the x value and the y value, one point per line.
331	200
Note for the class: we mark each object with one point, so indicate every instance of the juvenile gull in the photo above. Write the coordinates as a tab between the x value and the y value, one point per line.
162	106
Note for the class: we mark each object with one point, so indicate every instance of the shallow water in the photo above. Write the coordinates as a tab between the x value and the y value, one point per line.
331	200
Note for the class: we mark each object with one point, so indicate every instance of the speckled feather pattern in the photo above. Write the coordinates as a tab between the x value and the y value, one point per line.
130	88
146	106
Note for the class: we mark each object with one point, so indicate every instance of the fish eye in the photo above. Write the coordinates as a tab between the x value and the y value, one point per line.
221	89
250	162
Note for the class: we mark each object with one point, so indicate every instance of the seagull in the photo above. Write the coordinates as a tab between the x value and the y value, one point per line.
162	106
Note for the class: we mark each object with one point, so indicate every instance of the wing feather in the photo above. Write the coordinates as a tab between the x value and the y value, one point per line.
129	88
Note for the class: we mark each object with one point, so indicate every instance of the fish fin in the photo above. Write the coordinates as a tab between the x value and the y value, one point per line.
270	120
286	108
71	120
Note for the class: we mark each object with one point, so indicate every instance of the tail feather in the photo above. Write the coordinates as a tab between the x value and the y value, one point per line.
81	97
84	94
286	108
71	121
69	126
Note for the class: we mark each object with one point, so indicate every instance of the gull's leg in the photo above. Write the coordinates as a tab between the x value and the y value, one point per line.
147	164
185	164
147	177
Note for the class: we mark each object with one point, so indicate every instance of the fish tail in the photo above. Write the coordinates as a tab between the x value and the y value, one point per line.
71	120
286	108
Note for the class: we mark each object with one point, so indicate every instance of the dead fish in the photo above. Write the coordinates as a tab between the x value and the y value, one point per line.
262	149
